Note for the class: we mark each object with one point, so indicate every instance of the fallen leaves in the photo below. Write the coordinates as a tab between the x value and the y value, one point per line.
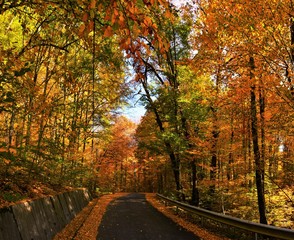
85	225
200	232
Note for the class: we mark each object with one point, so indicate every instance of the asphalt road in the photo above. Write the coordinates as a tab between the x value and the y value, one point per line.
133	218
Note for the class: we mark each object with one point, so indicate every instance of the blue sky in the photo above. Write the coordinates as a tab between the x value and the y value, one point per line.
134	112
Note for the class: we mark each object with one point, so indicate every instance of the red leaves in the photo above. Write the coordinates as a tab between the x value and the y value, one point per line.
108	32
82	29
85	17
92	4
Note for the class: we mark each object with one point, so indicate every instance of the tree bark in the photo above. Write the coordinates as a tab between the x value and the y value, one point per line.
213	163
259	172
230	171
292	47
195	191
215	135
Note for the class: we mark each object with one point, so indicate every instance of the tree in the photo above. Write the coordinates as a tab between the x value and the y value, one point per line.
117	157
156	67
53	100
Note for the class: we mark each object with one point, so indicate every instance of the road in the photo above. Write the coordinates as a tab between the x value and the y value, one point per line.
132	218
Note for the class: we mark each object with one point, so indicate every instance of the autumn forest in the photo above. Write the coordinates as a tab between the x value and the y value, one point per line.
216	79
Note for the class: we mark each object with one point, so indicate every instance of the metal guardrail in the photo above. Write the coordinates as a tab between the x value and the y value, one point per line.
267	230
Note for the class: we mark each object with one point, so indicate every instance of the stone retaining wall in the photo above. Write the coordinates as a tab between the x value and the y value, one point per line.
42	218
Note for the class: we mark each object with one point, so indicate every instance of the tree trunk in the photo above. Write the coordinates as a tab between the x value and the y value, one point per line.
259	172
250	163
10	129
262	126
195	191
62	167
230	171
213	163
287	73
175	162
176	170
215	135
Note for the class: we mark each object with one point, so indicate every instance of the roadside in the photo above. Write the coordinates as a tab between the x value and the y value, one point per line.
15	189
200	232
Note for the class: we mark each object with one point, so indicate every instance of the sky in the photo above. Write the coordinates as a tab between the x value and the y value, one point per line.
134	112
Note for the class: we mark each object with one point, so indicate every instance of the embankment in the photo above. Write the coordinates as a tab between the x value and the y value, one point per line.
42	218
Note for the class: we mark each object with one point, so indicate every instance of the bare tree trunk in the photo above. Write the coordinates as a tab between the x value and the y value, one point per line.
262	126
214	140
259	172
195	191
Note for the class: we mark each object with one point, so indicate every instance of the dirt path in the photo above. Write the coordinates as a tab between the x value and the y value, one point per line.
132	217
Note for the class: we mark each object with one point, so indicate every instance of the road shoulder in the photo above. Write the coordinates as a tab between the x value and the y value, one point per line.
200	232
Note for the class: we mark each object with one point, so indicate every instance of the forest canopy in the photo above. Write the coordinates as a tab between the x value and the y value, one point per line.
215	77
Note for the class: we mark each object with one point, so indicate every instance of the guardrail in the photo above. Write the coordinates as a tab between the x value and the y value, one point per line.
257	228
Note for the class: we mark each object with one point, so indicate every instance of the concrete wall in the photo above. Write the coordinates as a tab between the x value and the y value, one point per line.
42	218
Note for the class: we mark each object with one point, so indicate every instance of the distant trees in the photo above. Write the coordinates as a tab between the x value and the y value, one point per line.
118	167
